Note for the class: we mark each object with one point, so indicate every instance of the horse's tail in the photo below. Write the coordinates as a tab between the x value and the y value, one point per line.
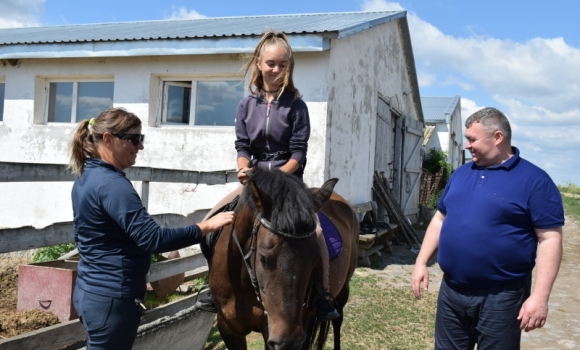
318	332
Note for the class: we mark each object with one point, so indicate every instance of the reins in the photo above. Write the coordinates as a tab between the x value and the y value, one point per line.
246	257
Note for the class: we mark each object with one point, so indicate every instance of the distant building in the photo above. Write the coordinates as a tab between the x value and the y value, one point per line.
443	127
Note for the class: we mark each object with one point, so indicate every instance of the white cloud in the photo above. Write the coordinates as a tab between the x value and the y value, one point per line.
543	72
184	13
426	79
468	107
523	113
536	83
20	13
381	5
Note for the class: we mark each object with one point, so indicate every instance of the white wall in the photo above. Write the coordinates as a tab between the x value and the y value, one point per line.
456	142
439	139
362	66
173	147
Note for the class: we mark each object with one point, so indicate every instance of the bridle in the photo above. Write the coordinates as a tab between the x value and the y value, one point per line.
261	220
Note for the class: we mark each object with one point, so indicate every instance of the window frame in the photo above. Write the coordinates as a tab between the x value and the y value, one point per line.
75	88
165	106
165	82
3	81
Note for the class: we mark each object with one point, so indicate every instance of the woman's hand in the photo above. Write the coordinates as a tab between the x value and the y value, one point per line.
216	222
242	176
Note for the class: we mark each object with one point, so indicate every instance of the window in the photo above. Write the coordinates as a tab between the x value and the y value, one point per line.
70	102
2	89
214	102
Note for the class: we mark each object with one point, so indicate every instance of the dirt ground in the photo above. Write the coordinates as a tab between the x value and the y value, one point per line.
562	329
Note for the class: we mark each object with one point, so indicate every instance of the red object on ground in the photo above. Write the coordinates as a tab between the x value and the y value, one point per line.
48	286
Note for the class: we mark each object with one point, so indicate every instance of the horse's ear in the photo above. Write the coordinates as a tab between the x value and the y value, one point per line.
326	190
262	201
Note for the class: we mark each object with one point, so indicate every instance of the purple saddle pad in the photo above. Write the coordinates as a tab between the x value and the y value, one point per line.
331	236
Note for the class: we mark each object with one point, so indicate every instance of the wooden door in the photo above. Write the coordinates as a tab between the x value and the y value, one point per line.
384	148
410	167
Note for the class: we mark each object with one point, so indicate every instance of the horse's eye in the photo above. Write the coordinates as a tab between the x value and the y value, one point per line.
264	261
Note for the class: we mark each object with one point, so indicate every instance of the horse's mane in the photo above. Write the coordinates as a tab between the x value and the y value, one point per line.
293	205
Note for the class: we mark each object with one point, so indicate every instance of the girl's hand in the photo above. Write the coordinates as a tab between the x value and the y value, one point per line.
242	176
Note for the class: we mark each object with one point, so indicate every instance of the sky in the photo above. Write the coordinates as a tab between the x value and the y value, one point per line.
521	57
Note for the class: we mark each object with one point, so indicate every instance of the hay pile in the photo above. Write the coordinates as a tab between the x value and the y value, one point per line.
12	323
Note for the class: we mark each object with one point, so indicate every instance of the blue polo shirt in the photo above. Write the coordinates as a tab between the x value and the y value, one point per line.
115	235
488	237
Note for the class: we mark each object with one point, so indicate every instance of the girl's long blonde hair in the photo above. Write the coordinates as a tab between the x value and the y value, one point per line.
256	83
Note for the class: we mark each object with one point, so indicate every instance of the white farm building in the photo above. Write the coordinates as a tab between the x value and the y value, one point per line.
356	73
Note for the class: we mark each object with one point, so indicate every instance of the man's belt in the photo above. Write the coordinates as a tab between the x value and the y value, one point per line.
280	155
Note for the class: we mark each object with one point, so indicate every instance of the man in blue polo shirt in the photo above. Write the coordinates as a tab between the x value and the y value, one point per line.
494	215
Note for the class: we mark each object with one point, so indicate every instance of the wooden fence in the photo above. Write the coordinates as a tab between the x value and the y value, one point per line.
24	238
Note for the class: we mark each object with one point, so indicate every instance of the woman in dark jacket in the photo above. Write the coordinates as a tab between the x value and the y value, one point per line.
114	233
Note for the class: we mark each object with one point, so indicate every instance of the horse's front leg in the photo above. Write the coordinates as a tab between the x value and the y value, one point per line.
336	324
233	340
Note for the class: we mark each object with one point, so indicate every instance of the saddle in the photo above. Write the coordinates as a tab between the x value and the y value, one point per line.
208	243
331	237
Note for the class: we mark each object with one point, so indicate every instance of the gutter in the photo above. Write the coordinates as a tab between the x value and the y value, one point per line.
163	47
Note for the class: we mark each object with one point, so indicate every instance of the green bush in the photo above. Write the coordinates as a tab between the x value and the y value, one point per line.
434	161
53	252
434	199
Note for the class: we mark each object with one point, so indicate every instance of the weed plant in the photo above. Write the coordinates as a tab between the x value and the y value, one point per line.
53	252
569	188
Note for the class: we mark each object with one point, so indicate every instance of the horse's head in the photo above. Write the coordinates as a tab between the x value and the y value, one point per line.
284	225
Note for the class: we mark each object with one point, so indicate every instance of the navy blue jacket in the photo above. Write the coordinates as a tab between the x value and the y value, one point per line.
115	235
285	126
488	236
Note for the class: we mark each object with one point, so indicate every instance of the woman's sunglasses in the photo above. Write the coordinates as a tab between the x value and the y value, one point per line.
136	139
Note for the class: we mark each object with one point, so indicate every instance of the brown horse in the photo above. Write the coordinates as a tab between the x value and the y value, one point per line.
265	269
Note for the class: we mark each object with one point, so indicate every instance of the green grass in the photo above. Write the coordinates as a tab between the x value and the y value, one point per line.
570	193
376	317
572	207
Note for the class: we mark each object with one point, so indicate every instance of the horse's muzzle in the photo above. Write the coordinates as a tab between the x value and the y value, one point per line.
287	343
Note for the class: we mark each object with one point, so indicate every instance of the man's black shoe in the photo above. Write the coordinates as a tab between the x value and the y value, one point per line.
206	304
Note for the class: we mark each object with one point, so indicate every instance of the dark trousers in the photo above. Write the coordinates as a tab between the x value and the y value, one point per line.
111	323
486	317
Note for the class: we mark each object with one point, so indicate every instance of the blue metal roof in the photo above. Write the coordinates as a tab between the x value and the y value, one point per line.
438	109
337	24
